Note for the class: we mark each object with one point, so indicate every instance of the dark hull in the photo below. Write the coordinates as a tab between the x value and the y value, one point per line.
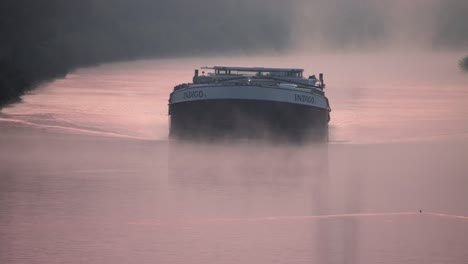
214	119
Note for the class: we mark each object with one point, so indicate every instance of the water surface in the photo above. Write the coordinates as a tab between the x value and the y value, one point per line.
88	174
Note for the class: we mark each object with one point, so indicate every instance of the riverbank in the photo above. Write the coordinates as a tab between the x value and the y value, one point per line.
16	80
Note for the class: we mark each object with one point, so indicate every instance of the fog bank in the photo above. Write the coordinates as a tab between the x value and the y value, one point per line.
47	39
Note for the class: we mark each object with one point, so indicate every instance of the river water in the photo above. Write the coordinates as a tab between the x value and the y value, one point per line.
88	175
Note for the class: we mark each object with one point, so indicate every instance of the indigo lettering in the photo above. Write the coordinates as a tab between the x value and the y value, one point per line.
304	98
193	94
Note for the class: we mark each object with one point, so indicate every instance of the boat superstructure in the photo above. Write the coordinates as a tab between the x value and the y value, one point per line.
250	101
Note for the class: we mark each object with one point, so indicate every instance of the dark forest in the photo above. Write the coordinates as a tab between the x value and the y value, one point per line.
42	40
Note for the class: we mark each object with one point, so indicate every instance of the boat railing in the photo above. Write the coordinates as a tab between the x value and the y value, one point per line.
215	79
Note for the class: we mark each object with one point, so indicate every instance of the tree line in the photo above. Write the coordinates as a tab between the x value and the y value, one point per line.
46	39
41	40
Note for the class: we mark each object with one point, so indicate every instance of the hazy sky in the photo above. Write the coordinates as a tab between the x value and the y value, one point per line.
363	24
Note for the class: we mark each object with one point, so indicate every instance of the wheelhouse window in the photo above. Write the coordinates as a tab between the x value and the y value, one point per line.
256	71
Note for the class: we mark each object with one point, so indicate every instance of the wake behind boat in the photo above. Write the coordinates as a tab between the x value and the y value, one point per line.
250	102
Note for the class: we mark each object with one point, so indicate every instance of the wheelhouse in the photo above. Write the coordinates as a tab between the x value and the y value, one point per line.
254	71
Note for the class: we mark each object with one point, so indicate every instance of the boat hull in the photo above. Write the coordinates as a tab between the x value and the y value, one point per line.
222	118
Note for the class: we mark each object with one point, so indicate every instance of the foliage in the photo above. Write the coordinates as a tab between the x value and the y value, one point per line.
45	39
464	64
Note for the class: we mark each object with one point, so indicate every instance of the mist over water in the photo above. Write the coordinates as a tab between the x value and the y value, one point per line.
89	175
129	99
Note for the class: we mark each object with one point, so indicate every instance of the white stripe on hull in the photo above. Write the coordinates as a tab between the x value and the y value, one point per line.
249	92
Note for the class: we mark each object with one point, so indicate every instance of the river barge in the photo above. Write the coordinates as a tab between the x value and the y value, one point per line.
250	102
